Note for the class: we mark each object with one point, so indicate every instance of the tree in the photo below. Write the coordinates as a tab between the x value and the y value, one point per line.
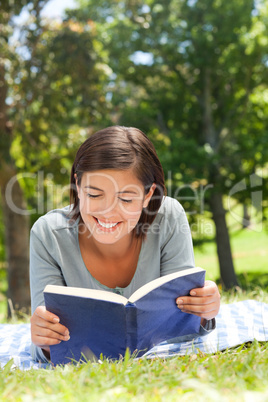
54	94
16	225
205	59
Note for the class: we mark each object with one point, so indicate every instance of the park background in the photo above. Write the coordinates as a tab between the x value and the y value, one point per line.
193	81
191	74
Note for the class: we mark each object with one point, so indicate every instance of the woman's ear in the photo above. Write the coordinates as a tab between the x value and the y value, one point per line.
149	195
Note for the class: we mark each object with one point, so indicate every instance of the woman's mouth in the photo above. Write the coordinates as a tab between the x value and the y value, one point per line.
107	226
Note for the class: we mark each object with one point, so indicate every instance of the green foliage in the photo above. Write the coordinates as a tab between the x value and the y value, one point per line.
14	7
201	97
2	248
195	95
60	95
55	76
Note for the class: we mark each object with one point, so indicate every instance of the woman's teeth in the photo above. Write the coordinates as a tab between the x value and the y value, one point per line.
107	225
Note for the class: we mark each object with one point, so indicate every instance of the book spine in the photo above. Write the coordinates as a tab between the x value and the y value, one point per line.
131	327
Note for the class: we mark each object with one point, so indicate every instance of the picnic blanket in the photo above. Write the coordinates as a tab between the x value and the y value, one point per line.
237	323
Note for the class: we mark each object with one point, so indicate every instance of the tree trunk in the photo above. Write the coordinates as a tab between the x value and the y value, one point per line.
246	217
210	137
227	271
17	245
16	223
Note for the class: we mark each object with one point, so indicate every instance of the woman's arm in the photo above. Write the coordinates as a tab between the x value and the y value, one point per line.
46	330
204	302
45	327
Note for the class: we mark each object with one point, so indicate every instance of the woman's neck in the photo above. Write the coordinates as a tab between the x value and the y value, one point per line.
111	264
116	250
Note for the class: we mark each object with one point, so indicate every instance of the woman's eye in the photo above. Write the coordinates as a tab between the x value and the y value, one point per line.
93	196
124	200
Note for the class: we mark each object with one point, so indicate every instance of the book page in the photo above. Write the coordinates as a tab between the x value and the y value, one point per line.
86	293
138	294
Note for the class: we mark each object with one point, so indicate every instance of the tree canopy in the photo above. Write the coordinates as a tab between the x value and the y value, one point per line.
190	74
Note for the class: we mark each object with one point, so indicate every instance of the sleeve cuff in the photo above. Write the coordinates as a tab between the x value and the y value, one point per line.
209	326
38	354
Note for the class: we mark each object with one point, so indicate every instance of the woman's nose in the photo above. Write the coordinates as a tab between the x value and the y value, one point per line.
109	207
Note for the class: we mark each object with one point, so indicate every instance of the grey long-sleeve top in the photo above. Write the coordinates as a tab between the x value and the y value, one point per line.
55	256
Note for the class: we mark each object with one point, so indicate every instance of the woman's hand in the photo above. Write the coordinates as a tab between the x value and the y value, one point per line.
46	329
204	302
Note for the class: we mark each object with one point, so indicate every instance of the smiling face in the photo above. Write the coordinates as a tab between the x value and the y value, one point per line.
111	203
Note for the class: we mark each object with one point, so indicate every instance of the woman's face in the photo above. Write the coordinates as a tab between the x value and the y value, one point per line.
111	203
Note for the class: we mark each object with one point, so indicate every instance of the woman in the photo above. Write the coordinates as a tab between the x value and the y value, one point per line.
119	233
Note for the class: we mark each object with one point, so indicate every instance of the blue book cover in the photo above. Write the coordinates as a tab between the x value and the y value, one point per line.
104	323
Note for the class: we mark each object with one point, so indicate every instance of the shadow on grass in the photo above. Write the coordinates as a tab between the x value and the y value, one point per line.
251	280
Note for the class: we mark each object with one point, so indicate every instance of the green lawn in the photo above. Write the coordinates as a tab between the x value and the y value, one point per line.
239	374
236	375
250	254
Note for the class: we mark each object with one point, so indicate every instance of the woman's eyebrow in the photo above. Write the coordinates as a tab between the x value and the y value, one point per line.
127	192
119	192
94	188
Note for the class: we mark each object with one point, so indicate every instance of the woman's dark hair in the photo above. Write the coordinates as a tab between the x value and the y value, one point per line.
121	148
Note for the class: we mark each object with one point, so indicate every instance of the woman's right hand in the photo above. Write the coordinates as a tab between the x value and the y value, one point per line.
46	329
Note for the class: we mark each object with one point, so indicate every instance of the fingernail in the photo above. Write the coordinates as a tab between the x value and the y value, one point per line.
56	320
66	332
179	301
192	293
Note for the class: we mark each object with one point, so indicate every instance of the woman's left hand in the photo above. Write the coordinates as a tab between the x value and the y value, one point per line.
204	302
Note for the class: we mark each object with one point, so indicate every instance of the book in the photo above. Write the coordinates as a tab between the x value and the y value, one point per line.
103	323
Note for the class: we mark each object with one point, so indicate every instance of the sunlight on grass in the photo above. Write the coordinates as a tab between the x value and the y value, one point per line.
226	376
250	254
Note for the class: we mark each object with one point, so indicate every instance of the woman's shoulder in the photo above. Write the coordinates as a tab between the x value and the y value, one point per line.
171	218
170	215
56	219
170	208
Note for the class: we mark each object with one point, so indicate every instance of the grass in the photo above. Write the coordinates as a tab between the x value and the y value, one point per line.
238	374
250	255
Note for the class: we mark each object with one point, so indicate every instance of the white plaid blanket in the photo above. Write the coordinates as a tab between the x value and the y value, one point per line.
237	323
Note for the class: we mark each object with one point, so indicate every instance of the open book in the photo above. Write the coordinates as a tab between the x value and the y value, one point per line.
104	323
